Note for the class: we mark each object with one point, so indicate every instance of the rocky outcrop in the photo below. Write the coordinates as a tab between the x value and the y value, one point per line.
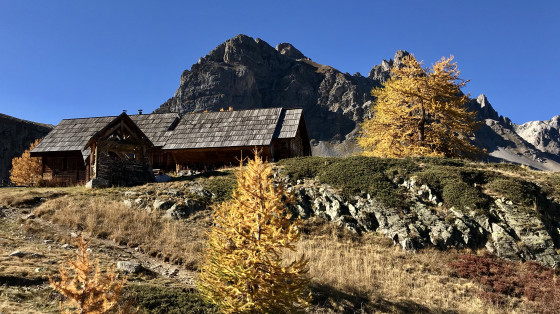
15	137
382	71
171	203
248	73
509	231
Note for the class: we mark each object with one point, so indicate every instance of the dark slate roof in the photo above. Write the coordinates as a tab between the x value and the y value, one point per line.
290	123
72	135
225	129
255	127
156	126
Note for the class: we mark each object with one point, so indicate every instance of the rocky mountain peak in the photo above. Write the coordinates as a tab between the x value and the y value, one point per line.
289	51
382	72
399	56
486	110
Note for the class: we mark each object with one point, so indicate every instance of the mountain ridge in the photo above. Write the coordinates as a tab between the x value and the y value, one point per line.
249	73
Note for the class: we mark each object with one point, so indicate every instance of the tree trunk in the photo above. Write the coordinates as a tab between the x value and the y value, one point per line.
421	124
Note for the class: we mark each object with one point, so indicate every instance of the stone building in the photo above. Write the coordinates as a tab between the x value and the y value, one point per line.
127	149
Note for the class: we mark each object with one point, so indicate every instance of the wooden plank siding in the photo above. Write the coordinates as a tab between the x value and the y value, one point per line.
211	158
65	168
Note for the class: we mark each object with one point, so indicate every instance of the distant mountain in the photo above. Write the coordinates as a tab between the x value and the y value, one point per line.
15	137
248	73
544	135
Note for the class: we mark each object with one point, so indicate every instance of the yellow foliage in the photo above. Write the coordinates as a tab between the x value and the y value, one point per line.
420	112
243	270
26	170
87	290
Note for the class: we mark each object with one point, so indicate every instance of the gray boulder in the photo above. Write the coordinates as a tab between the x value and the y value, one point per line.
184	210
129	267
21	254
163	204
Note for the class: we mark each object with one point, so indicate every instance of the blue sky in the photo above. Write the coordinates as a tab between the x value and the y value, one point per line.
65	59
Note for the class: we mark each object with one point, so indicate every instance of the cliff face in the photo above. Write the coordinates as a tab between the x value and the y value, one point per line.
16	135
249	73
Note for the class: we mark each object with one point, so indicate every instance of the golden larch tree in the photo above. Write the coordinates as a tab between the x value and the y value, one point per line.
87	289
26	170
243	270
420	112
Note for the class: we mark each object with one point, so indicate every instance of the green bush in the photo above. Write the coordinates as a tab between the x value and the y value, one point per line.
462	196
221	187
458	183
440	161
518	191
354	175
507	167
304	167
551	186
456	186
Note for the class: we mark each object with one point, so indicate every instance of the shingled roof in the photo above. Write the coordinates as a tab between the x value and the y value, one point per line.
255	127
290	123
72	135
156	126
225	129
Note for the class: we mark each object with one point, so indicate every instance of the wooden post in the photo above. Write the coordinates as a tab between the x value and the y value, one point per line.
94	161
177	168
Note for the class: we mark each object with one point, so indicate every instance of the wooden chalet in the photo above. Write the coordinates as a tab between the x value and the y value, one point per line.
126	149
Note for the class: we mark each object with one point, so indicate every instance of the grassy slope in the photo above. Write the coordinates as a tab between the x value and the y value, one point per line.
350	273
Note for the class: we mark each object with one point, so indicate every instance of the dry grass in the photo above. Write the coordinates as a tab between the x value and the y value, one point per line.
179	242
369	274
29	197
350	273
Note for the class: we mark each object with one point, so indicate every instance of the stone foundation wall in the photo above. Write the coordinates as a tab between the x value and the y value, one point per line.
123	172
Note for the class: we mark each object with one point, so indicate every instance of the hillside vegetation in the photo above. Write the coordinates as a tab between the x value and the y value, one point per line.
353	268
461	184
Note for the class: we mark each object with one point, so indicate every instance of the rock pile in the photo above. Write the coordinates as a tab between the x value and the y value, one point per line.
172	203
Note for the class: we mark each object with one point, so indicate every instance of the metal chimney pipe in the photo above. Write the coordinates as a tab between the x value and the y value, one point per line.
139	111
124	111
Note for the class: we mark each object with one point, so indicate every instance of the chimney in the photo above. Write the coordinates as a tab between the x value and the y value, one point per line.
139	111
124	111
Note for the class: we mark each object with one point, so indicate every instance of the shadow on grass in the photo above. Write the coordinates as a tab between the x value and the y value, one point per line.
170	300
20	281
207	174
333	300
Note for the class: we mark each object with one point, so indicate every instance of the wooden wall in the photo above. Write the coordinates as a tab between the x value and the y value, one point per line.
290	147
212	158
66	168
